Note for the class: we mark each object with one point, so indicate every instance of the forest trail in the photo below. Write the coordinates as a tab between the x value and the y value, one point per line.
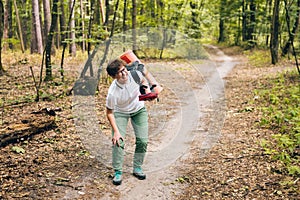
199	98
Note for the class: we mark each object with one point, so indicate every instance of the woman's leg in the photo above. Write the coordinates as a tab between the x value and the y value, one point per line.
118	151
139	122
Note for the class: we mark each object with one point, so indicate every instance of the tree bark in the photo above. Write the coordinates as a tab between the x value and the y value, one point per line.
124	28
47	17
221	22
72	49
90	28
8	31
287	45
252	23
82	14
275	33
107	10
64	36
102	11
62	22
19	27
37	41
134	12
1	34
49	41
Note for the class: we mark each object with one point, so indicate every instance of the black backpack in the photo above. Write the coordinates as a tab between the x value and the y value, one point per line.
133	68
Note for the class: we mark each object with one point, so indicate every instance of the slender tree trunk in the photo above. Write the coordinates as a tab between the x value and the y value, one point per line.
221	21
90	26
8	30
64	36
37	33
49	41
47	17
251	29
62	22
1	34
134	12
275	33
124	21
107	10
82	14
269	20
72	34
287	45
19	27
102	11
244	21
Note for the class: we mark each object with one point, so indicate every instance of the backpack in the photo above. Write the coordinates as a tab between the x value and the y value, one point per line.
133	68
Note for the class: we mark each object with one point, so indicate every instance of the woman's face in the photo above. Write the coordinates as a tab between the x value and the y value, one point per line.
122	75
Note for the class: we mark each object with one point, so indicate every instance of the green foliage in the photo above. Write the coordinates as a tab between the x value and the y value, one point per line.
281	114
18	150
258	58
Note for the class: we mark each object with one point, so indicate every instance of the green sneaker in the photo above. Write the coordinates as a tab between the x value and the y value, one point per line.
138	172
117	178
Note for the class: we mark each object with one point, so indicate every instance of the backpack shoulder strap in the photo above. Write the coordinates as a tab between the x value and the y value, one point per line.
135	77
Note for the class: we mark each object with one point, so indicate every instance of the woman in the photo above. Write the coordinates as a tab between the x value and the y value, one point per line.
122	104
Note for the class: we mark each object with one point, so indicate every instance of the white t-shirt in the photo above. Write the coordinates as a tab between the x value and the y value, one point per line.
124	98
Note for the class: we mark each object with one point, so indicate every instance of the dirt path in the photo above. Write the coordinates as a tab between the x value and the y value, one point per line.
198	90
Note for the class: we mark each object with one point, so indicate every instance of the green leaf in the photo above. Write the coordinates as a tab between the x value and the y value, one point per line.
18	149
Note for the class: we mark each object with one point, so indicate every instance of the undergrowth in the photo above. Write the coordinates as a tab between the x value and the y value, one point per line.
280	104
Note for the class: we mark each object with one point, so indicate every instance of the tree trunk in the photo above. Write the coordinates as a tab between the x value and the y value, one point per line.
8	30
90	27
134	11
107	10
64	36
1	34
37	41
82	14
47	17
19	27
124	28
62	22
221	22
275	32
252	23
287	45
49	41
269	13
102	11
72	49
244	21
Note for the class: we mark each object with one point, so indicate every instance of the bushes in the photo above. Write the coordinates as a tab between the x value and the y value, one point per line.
280	102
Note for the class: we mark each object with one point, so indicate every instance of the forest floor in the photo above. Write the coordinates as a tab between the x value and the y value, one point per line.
42	155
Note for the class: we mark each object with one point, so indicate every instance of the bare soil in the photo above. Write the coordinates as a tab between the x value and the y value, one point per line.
48	158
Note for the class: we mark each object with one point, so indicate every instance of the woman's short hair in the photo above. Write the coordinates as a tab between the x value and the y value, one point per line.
114	66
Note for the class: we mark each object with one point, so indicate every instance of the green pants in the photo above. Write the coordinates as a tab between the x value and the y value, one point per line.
139	121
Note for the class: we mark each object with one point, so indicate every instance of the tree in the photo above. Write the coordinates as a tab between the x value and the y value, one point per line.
292	33
1	34
134	12
8	30
47	17
19	26
275	32
252	23
49	41
36	41
221	21
72	49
